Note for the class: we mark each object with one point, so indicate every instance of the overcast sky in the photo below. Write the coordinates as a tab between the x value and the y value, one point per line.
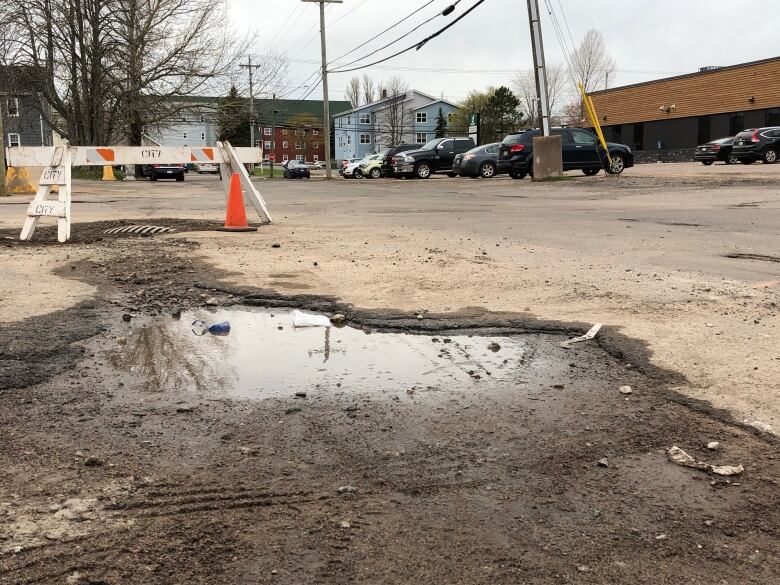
648	39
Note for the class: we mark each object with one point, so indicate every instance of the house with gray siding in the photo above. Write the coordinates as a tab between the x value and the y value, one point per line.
24	123
406	118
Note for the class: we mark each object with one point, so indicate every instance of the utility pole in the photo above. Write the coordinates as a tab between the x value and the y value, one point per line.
325	105
540	71
548	148
2	156
251	104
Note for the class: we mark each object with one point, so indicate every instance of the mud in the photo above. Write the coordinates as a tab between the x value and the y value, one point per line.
112	478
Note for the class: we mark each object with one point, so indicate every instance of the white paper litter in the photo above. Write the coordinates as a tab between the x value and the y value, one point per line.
680	457
301	319
589	335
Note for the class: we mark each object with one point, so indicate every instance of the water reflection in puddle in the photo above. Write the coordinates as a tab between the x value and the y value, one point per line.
265	356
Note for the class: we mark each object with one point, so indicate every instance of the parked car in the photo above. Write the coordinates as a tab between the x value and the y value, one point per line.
757	144
207	168
346	162
715	150
386	167
372	169
166	171
581	151
481	161
353	170
296	169
437	156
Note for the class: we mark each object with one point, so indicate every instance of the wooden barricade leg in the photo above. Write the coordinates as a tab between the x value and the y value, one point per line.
40	206
253	194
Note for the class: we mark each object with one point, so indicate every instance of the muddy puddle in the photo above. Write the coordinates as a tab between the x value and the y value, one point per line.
264	355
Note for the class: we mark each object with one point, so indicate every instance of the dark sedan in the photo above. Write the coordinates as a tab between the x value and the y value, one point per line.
481	161
296	169
716	150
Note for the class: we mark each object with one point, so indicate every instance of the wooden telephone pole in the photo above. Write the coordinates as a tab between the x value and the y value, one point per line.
325	104
3	192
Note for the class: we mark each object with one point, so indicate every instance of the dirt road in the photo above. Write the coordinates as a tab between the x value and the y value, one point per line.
555	477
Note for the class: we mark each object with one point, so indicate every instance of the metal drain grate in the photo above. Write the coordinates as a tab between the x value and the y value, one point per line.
143	230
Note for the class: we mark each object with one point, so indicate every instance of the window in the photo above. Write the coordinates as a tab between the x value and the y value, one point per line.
639	136
316	158
365	118
297	146
266	131
203	136
349	138
316	145
285	144
284	131
285	158
349	120
421	137
12	107
14	140
582	137
446	146
451	118
184	135
365	139
315	132
773	117
491	150
736	122
298	157
184	118
422	117
267	144
201	117
704	129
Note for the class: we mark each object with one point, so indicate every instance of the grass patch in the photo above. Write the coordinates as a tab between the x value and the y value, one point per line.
266	171
554	179
93	173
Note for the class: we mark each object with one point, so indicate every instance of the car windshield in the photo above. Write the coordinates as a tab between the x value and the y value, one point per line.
369	158
431	144
513	139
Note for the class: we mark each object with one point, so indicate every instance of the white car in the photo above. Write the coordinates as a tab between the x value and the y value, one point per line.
352	170
208	168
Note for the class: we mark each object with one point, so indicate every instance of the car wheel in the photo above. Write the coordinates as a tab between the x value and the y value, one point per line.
770	156
618	164
487	170
358	174
375	173
422	171
590	172
706	163
517	175
731	160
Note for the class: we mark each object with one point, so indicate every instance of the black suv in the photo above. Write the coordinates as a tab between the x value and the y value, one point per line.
757	144
581	150
387	158
437	156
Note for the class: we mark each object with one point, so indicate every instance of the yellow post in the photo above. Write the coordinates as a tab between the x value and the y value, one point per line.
588	103
108	173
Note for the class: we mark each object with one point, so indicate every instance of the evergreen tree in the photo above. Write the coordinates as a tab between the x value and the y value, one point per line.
233	119
441	125
501	115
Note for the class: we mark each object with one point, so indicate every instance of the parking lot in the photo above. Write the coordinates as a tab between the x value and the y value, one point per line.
555	478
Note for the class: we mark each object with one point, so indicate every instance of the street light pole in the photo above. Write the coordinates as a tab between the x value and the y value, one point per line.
540	71
325	104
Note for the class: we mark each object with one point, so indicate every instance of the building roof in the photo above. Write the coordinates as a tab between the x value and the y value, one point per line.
285	109
442	101
373	104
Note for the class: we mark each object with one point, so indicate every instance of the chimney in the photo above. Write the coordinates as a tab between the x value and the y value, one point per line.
384	94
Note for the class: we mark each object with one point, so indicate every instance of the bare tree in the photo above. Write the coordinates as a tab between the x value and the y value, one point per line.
524	85
369	89
110	67
352	92
394	118
591	63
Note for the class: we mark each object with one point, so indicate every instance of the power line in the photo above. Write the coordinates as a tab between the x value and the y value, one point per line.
313	36
419	45
289	29
447	10
388	29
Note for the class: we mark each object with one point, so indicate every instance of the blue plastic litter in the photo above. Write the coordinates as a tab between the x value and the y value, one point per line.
200	327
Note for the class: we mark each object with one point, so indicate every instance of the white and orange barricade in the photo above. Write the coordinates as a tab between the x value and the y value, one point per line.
57	162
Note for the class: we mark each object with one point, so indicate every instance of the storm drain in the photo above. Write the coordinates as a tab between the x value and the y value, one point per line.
142	230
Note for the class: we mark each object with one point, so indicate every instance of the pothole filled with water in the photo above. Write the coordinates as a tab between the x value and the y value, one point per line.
263	355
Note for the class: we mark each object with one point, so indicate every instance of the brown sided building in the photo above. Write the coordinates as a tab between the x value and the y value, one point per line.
677	113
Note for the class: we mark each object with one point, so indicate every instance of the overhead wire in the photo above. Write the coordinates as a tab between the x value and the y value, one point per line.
289	28
447	10
416	46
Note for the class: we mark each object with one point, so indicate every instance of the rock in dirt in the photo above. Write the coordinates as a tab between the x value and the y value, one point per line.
276	245
347	489
176	312
338	319
300	394
494	347
680	457
212	302
293	409
126	317
713	445
92	461
603	462
185	408
626	390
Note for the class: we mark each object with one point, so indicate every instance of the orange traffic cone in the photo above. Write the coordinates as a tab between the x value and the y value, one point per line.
235	215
